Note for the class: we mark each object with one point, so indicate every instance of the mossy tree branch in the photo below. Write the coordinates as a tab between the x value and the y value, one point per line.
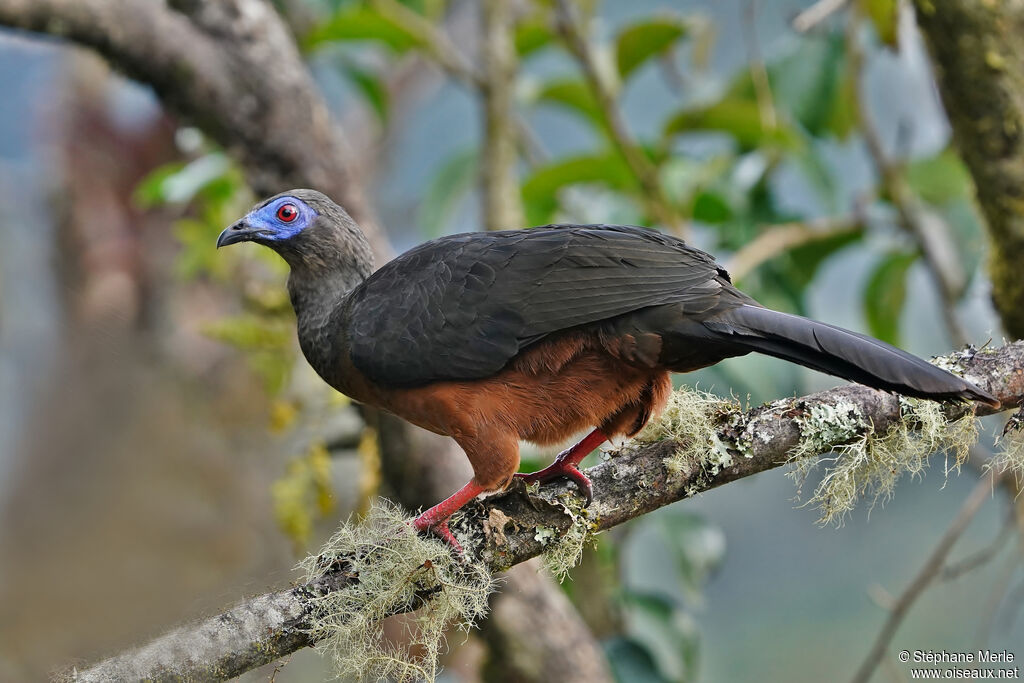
924	226
503	530
230	67
979	58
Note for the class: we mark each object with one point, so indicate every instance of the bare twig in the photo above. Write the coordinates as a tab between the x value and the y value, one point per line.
570	25
758	71
1000	585
975	48
928	572
927	229
1015	605
954	571
785	236
443	52
501	206
270	626
435	42
817	13
232	68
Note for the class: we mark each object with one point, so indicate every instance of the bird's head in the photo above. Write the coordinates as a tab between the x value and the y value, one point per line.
307	229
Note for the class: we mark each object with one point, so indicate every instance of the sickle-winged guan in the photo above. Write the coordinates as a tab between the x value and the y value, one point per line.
536	335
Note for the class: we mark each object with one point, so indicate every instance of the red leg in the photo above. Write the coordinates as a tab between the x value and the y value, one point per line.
567	462
436	518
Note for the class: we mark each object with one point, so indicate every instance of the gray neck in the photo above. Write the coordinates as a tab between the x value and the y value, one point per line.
318	286
315	298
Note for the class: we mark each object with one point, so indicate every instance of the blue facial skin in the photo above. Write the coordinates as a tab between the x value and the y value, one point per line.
273	229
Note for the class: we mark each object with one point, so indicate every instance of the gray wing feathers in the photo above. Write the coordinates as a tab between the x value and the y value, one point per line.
461	307
840	352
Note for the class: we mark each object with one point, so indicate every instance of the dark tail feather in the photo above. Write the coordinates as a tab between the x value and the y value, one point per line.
840	352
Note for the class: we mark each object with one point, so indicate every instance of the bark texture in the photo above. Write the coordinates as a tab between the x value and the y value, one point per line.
629	484
979	58
533	631
500	155
230	67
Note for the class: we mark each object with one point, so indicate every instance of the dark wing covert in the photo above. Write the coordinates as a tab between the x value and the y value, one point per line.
461	307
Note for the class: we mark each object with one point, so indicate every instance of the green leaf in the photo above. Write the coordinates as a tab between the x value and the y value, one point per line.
304	494
532	36
222	189
805	260
885	293
781	282
196	256
196	175
668	633
540	190
572	94
361	23
630	662
842	119
250	332
737	116
941	178
711	207
369	85
180	183
884	15
451	182
814	86
699	548
640	42
683	178
150	190
820	176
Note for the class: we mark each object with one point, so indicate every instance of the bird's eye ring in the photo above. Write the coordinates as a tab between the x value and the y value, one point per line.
287	213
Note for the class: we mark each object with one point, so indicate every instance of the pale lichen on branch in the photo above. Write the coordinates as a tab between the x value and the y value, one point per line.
393	569
506	529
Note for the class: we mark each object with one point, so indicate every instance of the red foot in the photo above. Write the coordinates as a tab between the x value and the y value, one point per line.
562	469
435	520
566	464
441	530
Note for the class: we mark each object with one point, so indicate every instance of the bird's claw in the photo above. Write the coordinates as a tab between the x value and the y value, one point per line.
562	469
440	530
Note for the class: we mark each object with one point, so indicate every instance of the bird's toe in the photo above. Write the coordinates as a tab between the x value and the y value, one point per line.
562	469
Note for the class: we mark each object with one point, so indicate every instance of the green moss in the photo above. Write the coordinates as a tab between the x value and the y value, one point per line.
693	419
826	425
397	569
564	552
713	432
1010	457
866	464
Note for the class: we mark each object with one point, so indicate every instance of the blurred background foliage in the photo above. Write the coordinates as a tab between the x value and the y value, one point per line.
815	165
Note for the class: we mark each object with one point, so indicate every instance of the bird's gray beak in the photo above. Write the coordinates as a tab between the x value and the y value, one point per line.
238	232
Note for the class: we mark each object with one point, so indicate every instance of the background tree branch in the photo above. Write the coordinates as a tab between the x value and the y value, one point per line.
572	28
923	225
230	67
499	156
976	48
631	483
241	51
928	572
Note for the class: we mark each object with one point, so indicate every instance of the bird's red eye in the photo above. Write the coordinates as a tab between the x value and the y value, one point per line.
287	213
